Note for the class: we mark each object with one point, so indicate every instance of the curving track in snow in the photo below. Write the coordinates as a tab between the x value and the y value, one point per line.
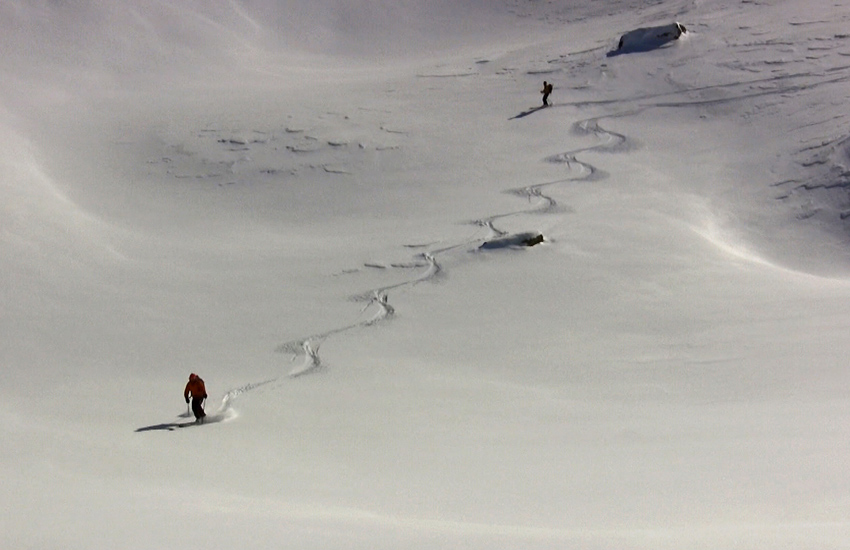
376	303
378	308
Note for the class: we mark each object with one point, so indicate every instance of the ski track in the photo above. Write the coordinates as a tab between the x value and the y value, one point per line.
377	307
376	304
377	300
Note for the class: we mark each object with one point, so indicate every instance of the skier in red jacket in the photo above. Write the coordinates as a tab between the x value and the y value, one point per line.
195	387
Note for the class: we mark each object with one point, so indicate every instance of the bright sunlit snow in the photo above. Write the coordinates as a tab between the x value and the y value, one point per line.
429	313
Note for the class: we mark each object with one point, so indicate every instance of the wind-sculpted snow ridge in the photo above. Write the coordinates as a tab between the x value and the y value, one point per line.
825	169
334	144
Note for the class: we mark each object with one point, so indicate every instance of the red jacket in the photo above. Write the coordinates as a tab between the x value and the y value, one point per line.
195	387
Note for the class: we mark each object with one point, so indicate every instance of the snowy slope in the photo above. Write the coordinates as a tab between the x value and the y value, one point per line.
319	207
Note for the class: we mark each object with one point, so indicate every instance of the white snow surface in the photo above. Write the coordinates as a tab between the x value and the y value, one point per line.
292	199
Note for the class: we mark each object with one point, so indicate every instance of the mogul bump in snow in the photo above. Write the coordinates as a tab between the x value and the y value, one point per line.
195	387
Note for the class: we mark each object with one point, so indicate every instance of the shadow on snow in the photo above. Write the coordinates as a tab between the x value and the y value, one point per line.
170	426
528	112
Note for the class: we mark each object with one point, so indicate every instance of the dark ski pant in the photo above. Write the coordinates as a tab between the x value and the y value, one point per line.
198	407
546	100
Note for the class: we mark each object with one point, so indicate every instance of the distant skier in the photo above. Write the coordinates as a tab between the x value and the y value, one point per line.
195	387
547	89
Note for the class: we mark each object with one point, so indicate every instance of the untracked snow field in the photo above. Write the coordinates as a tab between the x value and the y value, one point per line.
429	313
